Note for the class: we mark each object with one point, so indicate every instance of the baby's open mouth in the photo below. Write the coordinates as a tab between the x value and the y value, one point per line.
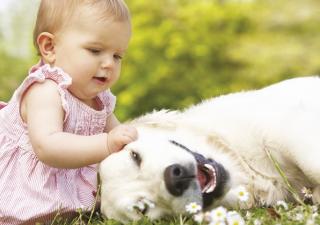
100	79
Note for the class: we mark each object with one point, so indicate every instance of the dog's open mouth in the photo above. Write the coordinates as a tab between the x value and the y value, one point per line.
211	175
207	178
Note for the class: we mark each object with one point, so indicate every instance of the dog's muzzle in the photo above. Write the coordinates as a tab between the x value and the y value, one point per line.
211	175
178	178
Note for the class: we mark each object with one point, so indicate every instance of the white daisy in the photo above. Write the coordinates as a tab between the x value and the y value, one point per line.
193	208
218	214
242	194
235	218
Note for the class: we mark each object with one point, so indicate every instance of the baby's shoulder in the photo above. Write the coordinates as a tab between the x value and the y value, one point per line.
40	95
47	88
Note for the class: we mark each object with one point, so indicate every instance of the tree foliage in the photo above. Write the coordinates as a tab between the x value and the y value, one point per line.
184	51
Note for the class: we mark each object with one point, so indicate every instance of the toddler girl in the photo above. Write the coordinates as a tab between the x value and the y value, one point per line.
59	123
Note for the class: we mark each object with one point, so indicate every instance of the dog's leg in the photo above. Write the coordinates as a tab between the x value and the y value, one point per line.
316	195
306	160
302	146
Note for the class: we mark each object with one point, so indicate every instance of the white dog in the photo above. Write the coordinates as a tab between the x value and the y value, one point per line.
206	152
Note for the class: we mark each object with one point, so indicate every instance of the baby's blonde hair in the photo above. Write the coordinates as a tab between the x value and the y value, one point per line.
55	14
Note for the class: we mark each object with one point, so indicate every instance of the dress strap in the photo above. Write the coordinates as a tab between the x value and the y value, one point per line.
42	73
108	100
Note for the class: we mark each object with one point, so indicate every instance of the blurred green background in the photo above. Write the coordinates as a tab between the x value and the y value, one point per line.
184	51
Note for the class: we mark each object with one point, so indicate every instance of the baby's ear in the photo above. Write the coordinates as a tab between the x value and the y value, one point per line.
46	45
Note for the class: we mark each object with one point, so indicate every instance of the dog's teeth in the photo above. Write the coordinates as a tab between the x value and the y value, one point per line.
209	189
209	167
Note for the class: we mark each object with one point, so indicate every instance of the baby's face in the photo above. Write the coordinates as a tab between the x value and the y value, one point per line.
90	49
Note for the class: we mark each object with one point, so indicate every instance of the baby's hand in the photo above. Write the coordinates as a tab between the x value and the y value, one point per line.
119	136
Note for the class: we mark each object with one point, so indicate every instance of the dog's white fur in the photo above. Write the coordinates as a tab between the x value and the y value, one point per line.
241	131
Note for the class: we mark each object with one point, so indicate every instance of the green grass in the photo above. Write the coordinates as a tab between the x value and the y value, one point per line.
294	215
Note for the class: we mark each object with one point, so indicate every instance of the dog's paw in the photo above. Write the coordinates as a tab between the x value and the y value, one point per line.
141	206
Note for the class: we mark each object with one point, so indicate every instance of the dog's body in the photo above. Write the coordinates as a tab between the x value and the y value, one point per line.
239	134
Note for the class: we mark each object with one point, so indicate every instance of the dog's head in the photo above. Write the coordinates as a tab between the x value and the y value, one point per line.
158	175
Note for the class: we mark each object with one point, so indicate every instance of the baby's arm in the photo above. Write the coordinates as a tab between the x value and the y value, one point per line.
42	111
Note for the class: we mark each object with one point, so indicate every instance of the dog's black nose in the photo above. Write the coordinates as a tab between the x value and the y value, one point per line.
177	178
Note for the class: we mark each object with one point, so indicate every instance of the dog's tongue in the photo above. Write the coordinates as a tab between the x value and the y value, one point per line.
202	178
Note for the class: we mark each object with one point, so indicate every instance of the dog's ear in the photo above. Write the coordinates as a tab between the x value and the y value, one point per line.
158	119
164	124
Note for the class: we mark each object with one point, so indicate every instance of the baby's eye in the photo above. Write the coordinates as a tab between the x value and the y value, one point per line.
117	57
94	51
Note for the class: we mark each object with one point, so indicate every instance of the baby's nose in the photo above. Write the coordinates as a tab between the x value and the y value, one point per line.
107	62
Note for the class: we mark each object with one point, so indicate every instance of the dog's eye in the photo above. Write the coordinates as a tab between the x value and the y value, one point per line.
136	157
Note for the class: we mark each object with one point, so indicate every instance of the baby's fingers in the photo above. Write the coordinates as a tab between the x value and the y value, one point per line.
130	135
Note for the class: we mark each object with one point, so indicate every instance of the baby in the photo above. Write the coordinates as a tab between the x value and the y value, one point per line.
59	123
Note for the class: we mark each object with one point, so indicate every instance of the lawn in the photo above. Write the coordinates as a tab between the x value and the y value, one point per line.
282	213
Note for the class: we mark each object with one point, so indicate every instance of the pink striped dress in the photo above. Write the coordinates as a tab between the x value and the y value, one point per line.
31	191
